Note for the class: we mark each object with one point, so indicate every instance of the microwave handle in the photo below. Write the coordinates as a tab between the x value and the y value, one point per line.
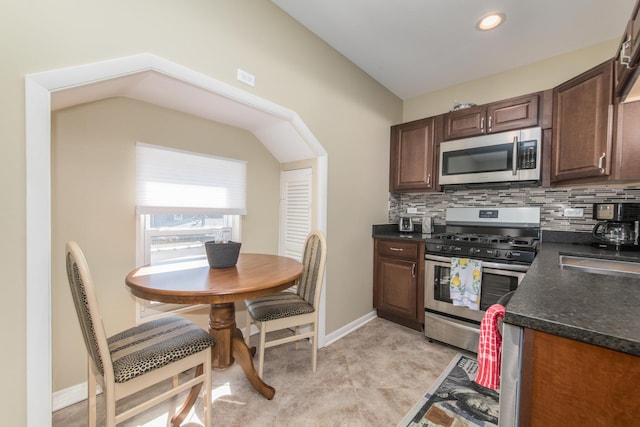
514	164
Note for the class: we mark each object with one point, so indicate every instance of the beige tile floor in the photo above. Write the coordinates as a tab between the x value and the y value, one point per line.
371	377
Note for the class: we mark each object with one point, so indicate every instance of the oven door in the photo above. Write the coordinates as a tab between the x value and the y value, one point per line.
497	280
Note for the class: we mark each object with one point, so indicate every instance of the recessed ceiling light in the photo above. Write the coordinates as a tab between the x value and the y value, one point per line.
490	21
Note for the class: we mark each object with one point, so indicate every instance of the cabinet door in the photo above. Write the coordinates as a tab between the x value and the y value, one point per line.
516	113
465	123
397	287
628	58
412	166
627	147
634	32
570	383
622	65
582	110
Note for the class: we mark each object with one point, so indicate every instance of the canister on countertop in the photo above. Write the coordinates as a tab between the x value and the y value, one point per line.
427	224
405	225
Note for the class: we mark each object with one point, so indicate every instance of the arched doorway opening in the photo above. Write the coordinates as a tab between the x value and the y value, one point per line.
281	130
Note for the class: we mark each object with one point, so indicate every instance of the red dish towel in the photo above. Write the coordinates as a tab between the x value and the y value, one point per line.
490	348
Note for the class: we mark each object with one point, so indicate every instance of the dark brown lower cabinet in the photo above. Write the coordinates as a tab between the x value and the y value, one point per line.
398	282
569	383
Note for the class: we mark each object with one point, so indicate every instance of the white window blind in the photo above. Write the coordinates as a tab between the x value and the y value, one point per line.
170	181
295	211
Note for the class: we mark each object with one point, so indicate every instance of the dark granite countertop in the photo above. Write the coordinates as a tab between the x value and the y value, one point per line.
390	232
593	308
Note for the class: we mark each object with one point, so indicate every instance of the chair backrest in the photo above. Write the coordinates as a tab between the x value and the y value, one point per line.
313	261
84	299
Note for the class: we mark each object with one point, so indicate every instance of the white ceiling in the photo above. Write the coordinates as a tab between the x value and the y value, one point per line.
413	47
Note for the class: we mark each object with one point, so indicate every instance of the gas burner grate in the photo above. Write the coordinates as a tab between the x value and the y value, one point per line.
488	239
499	240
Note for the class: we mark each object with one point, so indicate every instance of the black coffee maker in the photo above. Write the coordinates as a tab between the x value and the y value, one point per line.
618	226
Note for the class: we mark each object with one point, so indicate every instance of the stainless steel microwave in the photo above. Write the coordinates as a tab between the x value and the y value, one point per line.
500	157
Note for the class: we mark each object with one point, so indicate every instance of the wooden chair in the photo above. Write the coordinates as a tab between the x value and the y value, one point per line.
286	310
138	357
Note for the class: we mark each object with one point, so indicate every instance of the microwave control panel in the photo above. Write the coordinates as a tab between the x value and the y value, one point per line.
527	154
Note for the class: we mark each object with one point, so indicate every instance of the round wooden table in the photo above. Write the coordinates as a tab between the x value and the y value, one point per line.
194	282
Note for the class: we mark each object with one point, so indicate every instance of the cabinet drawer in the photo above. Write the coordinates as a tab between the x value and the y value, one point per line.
395	249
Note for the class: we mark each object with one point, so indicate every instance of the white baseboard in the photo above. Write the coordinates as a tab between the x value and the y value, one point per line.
78	393
70	396
336	335
348	328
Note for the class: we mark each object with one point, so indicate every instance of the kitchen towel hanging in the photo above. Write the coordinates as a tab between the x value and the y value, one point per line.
466	282
490	348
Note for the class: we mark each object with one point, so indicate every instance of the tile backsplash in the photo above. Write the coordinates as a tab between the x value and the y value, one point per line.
552	202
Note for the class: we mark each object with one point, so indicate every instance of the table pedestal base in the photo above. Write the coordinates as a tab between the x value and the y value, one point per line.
230	346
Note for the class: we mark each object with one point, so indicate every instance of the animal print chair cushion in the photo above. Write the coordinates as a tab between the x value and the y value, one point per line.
154	344
276	306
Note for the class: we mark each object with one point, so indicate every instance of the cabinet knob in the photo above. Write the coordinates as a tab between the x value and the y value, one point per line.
482	124
490	123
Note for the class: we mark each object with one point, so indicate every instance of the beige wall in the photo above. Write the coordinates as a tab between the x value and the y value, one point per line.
519	81
346	110
93	202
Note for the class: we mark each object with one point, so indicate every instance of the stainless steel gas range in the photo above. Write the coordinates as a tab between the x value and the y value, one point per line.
504	241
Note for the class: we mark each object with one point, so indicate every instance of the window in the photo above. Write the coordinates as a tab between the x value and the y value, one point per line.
184	199
180	237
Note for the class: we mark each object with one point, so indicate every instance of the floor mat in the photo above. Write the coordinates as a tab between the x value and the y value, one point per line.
455	400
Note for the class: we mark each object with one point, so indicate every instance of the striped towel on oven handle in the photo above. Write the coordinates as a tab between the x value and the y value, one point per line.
490	348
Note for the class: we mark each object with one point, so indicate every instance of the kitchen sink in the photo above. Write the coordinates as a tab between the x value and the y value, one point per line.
600	266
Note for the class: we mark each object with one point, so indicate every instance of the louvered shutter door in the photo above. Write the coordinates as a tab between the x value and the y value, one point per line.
295	211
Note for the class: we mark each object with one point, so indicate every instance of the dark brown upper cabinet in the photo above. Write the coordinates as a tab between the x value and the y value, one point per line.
510	114
582	127
628	59
413	164
626	142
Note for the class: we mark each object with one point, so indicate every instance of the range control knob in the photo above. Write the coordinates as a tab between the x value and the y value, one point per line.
474	251
509	254
496	253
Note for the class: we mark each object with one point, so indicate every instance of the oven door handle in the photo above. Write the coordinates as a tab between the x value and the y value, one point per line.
502	272
488	264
